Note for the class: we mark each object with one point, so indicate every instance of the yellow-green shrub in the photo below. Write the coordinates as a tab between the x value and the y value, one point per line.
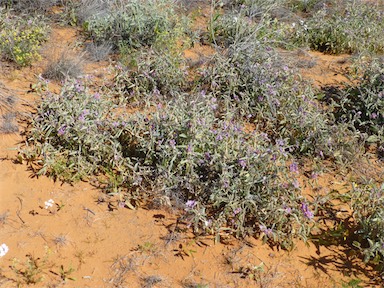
20	39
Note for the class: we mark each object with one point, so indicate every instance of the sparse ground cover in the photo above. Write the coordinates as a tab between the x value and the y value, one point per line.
227	148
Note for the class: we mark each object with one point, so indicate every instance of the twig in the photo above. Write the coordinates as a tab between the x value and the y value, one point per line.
18	211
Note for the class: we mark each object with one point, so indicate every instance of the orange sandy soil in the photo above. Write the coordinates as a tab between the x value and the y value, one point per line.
95	246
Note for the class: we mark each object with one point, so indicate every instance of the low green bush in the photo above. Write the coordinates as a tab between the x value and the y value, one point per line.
362	104
229	28
367	202
134	23
228	180
351	28
72	136
254	80
151	74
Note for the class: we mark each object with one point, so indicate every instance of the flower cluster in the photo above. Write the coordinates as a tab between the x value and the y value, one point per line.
48	204
3	250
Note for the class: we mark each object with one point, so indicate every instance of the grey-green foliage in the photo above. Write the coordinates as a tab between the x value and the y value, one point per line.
363	104
348	28
228	179
237	181
255	80
153	74
229	28
135	23
72	135
367	202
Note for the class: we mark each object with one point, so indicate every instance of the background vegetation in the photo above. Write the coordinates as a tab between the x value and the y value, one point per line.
223	142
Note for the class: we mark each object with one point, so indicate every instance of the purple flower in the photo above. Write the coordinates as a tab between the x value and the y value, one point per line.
373	115
237	211
294	168
96	96
172	142
314	175
307	212
280	142
189	148
265	230
190	204
288	210
61	131
296	184
84	113
242	163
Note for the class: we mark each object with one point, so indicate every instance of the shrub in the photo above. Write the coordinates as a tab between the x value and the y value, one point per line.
98	52
255	8
151	73
29	6
72	135
134	23
20	38
227	179
256	82
7	123
7	112
363	104
63	67
230	28
344	29
367	201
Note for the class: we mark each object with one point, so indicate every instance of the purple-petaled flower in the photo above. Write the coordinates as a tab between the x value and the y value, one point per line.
62	130
172	142
81	118
189	148
288	210
190	204
314	175
207	156
156	92
237	211
84	113
280	142
321	154
294	168
265	230
242	163
79	87
96	96
373	115
307	212
296	184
